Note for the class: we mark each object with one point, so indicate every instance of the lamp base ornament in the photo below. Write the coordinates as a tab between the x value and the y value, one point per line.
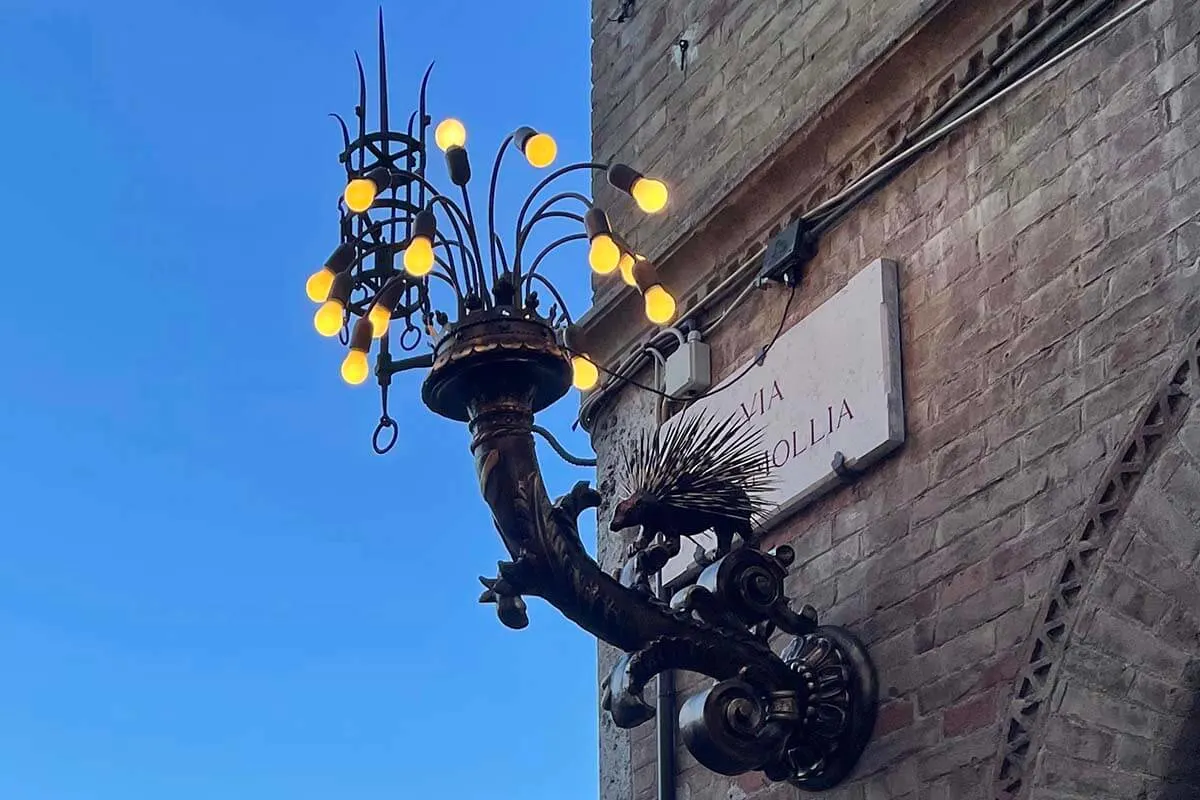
802	716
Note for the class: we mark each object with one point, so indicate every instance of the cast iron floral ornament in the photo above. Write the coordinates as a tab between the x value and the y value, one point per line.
496	359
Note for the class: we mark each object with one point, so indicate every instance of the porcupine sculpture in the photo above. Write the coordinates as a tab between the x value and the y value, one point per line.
701	474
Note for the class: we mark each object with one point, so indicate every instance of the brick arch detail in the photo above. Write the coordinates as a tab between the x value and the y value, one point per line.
1023	720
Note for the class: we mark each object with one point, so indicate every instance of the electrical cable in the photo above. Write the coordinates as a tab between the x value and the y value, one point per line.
634	362
832	209
832	206
757	362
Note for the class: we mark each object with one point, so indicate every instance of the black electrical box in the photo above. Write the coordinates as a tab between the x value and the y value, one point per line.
788	252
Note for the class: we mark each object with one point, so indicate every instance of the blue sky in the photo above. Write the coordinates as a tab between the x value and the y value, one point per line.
210	586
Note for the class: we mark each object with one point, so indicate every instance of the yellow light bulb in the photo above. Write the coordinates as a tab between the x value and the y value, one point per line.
660	306
328	319
380	318
604	255
626	266
650	195
584	374
319	284
541	150
418	258
450	133
360	194
355	368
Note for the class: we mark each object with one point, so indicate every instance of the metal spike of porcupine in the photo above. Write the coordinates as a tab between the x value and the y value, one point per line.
701	474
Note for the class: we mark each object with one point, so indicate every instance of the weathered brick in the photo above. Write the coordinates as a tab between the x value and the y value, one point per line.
1084	779
967	549
1049	435
959	454
886	622
885	531
1156	515
1181	630
1017	554
1108	711
979	608
989	470
893	716
1074	738
1135	644
1130	597
816	540
832	562
978	712
884	751
951	755
966	583
1015	625
1099	669
1141	756
901	780
1163	696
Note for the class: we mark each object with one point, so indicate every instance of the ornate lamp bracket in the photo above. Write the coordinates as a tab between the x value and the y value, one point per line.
803	715
413	267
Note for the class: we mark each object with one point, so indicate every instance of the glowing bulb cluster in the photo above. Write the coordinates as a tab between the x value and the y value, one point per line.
320	283
606	255
330	286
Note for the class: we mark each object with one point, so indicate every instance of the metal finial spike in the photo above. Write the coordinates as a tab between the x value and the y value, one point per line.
424	92
362	95
345	133
383	88
423	126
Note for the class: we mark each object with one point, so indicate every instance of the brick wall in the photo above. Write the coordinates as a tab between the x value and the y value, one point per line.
757	71
1050	275
1125	710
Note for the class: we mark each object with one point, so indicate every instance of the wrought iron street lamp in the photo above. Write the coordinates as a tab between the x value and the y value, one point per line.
415	267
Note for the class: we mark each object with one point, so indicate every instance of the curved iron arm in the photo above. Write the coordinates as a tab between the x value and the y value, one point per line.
542	184
549	215
550	248
804	719
491	231
523	234
473	235
451	210
549	559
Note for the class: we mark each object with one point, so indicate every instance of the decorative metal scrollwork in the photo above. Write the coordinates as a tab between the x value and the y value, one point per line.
804	715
